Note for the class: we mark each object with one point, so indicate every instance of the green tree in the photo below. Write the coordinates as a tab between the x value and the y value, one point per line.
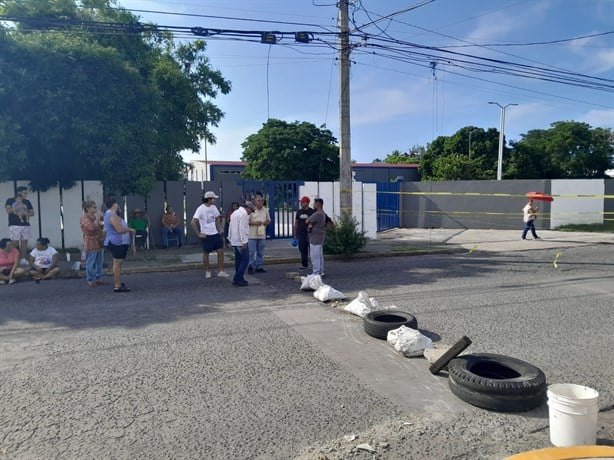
116	101
291	151
469	154
413	156
569	149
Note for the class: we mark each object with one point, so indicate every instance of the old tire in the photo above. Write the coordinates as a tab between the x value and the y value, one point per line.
378	323
499	402
497	382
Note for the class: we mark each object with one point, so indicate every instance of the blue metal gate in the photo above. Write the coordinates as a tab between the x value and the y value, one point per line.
388	205
281	197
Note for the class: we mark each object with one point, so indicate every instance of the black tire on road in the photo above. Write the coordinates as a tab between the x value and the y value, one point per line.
496	374
496	382
499	402
378	323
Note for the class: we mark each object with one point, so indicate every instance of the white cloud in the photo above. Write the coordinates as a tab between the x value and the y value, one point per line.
599	118
371	105
228	145
603	61
498	24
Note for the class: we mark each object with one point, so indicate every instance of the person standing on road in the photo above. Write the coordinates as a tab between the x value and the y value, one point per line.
300	230
316	224
206	223
19	210
529	216
93	238
118	238
238	234
258	222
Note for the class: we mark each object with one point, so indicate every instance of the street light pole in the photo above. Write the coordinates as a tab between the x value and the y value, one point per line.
501	135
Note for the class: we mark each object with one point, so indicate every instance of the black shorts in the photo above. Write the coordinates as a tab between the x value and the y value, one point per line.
212	243
5	271
118	251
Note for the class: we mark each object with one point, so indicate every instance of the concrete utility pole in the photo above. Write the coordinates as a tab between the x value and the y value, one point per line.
345	151
501	136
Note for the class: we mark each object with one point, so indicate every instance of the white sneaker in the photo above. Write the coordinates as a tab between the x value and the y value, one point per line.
12	281
222	274
2	282
207	274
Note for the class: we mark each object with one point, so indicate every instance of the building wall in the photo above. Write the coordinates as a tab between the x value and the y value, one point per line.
578	201
384	173
364	202
470	204
498	204
56	212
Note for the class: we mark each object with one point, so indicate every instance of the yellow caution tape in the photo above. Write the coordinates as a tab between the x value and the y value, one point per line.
556	258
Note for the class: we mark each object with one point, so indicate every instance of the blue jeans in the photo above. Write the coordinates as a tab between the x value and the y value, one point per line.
256	253
93	265
166	232
530	225
241	262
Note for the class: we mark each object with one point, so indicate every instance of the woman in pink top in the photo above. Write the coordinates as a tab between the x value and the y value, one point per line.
10	270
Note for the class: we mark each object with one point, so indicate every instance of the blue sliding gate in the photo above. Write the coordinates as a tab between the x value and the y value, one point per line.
388	205
281	198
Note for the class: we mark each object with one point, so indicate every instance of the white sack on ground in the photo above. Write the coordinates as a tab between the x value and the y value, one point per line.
409	342
311	282
325	293
362	305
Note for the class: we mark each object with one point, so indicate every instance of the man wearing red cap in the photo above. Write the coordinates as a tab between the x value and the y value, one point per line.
300	231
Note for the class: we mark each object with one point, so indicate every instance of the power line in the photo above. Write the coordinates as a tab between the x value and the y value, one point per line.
550	42
395	49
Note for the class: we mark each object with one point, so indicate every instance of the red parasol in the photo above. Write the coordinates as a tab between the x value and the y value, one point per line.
539	196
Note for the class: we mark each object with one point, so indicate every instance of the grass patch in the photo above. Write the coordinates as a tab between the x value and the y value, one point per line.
607	227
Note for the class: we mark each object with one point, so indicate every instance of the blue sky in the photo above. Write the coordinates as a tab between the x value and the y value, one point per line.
396	103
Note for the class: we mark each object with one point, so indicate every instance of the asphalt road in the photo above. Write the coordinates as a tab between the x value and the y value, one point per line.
184	367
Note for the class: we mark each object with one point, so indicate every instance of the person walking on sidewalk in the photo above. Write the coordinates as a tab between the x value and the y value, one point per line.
238	234
300	230
93	238
315	228
529	216
258	222
206	223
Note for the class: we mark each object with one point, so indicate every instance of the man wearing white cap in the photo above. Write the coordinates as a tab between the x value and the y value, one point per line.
206	223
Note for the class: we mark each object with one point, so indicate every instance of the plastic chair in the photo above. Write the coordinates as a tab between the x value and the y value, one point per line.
173	237
140	241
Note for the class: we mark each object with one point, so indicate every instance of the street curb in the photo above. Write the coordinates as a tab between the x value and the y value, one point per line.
68	274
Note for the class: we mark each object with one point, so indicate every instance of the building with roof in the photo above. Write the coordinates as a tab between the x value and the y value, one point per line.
361	172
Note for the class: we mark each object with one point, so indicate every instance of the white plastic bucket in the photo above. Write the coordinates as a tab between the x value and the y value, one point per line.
573	415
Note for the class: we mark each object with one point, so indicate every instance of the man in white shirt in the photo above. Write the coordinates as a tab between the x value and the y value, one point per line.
206	223
529	215
238	234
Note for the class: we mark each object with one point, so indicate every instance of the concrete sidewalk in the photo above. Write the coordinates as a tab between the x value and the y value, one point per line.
395	242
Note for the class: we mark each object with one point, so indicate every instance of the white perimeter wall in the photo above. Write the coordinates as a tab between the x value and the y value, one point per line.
56	211
364	202
577	201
